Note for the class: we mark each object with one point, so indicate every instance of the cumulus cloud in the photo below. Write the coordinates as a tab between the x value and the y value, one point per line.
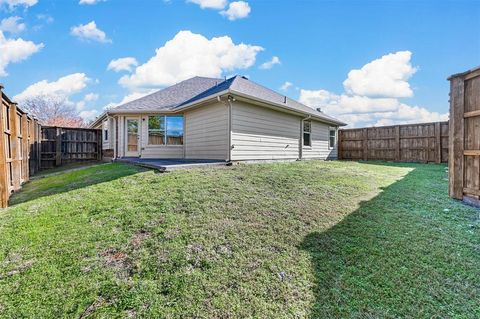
90	1
365	102
386	76
129	97
88	115
122	64
88	98
91	97
45	17
15	50
210	4
285	86
189	54
90	32
64	87
269	64
236	10
12	4
12	25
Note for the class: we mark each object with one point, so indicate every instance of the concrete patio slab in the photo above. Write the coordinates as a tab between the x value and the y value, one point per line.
164	165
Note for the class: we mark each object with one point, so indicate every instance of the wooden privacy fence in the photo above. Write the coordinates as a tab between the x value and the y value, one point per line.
464	161
19	148
425	142
63	145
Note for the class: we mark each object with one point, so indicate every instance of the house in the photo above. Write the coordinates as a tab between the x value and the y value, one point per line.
206	118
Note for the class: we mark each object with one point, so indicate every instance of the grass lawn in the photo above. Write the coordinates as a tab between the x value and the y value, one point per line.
287	240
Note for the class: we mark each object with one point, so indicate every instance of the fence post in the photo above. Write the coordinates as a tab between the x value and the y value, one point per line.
456	138
397	143
438	143
3	158
25	144
365	144
58	146
14	147
99	144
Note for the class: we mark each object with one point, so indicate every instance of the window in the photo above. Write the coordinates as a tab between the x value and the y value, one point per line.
332	138
307	130
165	130
105	134
174	130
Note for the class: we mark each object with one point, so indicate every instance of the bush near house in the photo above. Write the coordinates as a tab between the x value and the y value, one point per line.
284	240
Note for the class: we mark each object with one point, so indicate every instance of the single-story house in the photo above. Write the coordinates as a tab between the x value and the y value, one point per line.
231	119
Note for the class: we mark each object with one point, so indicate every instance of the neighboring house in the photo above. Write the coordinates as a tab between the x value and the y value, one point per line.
205	118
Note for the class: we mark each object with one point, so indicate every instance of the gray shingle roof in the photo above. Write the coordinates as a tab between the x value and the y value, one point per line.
198	88
172	96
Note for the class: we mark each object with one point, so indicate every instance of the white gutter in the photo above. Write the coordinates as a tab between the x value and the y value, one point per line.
215	96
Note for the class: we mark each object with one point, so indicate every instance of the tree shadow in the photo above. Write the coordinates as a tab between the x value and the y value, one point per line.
65	179
402	253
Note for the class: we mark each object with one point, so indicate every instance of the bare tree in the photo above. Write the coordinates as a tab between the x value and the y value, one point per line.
53	111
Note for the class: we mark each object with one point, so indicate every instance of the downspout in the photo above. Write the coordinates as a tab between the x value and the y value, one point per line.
230	146
228	103
300	148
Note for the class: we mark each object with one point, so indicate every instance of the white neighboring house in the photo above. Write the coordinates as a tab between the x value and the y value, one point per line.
206	118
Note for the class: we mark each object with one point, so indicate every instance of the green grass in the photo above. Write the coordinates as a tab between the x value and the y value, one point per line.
286	240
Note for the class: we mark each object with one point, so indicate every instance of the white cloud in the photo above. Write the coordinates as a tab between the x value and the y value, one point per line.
129	97
122	64
236	10
15	50
387	76
14	3
90	97
269	64
90	1
210	4
285	86
189	54
12	25
63	87
45	17
90	31
88	115
366	103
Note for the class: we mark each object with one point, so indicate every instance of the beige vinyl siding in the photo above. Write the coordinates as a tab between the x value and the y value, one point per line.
260	133
107	125
320	143
206	132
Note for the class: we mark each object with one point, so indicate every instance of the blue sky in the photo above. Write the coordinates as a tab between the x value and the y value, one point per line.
403	51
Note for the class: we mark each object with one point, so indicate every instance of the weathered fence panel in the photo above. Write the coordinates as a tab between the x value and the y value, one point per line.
18	148
425	142
64	145
464	148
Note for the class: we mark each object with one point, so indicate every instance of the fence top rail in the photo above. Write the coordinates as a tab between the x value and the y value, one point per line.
475	70
72	128
392	126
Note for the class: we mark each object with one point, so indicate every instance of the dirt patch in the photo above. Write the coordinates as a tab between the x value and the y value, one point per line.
138	239
15	263
98	303
118	261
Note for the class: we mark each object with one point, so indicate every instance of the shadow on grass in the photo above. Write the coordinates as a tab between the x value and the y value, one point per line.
56	181
404	253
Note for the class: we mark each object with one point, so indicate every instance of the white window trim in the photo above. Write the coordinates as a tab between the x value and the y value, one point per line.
336	137
310	133
165	132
